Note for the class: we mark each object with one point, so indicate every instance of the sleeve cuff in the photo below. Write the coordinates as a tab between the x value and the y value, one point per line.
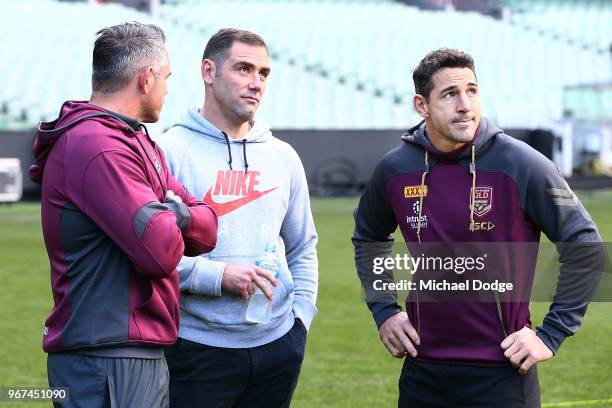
551	336
383	311
207	277
305	311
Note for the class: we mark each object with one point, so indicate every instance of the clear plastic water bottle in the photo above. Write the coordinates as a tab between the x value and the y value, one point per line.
259	309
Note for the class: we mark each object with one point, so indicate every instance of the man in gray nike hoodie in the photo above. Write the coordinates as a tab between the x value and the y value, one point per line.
256	185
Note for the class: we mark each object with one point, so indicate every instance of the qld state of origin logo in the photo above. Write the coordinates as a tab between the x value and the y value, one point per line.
483	200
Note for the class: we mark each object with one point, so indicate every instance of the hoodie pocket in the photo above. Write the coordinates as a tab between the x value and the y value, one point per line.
285	277
154	321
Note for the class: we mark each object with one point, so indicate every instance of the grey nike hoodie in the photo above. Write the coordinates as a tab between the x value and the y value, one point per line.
257	187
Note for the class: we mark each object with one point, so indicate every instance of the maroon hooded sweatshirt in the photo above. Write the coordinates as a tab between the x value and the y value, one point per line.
112	238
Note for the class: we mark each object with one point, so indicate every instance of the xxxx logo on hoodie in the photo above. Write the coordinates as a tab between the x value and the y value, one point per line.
238	189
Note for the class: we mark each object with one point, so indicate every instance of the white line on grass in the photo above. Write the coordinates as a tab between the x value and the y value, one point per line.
576	403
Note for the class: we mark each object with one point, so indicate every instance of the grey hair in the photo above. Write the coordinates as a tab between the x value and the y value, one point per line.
120	51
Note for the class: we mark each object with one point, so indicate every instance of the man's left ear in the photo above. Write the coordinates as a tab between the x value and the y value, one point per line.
146	79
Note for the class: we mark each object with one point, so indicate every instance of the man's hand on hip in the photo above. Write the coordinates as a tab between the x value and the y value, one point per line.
242	279
399	336
524	349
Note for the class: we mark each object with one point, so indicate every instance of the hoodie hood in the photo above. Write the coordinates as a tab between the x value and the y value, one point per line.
71	114
485	133
258	133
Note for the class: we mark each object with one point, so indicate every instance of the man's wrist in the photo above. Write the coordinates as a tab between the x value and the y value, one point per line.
552	341
383	311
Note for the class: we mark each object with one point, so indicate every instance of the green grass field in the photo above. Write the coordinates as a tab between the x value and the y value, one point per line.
345	365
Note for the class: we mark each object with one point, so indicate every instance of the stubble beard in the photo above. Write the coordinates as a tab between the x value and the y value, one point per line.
242	113
461	137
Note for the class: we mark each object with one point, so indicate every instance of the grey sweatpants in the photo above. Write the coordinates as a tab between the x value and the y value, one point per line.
111	382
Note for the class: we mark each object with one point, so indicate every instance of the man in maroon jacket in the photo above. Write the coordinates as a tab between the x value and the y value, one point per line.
458	186
115	225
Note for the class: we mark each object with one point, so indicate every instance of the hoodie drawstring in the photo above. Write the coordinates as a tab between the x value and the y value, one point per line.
473	191
246	163
229	150
422	195
229	153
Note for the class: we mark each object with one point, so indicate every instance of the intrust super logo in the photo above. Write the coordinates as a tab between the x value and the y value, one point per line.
415	191
413	220
231	184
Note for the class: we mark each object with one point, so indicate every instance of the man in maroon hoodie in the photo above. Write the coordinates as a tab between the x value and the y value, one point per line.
456	186
115	225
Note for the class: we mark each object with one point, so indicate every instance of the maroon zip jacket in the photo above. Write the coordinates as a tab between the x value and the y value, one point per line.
113	240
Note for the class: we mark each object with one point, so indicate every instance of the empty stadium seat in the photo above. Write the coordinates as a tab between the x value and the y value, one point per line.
335	64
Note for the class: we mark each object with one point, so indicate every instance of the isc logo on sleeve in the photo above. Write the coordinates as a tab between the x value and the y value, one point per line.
415	191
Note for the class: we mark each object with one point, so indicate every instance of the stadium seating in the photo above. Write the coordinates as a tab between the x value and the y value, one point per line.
49	46
585	22
592	104
373	45
335	64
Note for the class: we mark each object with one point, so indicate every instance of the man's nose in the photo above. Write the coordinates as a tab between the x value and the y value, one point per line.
464	104
256	83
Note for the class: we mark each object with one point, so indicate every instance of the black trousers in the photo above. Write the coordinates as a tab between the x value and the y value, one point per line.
216	377
431	384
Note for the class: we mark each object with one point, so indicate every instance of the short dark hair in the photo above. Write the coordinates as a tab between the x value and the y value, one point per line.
120	51
220	43
434	62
